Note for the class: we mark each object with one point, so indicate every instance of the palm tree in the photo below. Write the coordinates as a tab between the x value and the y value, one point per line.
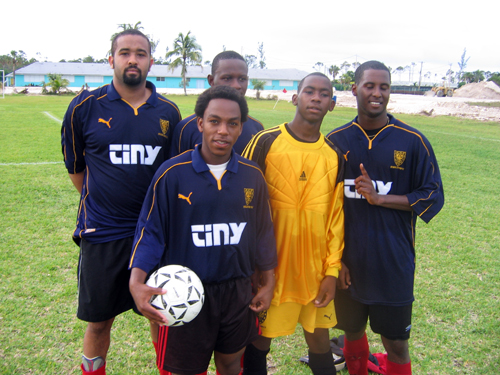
56	83
137	26
189	52
17	59
258	85
334	70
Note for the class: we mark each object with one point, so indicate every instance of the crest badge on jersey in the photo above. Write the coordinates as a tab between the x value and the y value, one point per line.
248	197
164	124
399	159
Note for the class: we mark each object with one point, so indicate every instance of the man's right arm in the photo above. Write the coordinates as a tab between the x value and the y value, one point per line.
77	180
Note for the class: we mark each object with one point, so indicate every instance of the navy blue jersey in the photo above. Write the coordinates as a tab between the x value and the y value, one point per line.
119	148
187	136
380	242
221	229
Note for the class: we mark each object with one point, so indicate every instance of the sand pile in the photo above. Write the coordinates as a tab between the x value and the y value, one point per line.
480	90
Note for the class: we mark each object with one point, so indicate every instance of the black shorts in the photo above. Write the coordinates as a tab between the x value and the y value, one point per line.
392	322
103	278
225	324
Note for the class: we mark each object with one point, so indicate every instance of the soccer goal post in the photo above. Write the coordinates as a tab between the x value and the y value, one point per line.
3	84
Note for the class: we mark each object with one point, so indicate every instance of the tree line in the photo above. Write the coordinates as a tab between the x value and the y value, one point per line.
186	51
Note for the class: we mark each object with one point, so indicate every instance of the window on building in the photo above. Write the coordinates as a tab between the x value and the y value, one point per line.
34	78
160	79
94	79
69	78
286	83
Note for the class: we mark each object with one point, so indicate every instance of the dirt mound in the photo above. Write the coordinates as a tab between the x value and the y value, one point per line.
480	90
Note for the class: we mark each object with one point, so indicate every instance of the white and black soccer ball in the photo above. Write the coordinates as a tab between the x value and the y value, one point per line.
185	294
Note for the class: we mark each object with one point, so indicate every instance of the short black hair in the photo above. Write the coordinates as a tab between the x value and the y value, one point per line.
372	64
318	74
221	92
226	55
128	32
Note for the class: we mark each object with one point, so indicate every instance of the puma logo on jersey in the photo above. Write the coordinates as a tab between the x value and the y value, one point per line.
345	155
303	176
380	186
180	196
133	154
328	316
106	122
217	234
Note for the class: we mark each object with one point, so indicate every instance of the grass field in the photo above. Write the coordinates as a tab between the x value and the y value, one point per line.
456	320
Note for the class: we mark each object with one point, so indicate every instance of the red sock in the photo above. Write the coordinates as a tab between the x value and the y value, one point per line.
99	371
397	369
356	356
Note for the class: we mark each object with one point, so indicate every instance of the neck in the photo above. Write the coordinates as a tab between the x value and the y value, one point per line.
371	123
135	95
306	131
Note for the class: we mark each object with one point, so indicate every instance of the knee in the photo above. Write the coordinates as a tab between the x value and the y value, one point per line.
100	328
397	350
318	341
262	343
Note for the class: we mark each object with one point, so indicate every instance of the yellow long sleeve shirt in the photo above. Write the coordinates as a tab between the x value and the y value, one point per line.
305	182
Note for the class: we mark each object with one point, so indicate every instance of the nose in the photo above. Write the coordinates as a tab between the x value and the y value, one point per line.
132	59
223	128
236	85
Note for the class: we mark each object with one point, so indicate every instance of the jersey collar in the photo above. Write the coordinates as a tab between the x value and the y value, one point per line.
200	166
152	100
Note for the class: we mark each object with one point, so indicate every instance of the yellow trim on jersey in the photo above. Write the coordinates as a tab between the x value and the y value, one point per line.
151	208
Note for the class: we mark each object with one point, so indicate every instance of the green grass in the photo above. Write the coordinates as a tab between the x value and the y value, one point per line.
456	324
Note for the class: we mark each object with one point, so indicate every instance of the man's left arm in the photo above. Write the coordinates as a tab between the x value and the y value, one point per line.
335	243
426	198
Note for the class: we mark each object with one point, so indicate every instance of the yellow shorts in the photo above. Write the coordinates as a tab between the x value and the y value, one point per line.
281	320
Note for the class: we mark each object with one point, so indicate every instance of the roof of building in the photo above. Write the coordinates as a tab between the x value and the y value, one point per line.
94	69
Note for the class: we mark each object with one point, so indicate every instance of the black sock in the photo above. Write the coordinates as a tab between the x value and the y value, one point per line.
322	364
254	361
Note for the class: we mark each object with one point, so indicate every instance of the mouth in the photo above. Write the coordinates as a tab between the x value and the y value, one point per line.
221	143
314	109
132	70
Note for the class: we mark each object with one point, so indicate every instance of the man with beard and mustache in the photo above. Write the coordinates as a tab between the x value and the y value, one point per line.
113	140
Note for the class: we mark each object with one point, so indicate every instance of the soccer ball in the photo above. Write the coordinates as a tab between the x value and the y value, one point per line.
185	295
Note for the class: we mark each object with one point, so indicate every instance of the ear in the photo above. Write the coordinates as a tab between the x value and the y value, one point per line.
210	79
151	62
110	60
332	106
199	122
354	89
295	99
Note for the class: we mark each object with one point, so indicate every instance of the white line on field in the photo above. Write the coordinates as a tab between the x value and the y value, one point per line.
461	135
52	117
40	163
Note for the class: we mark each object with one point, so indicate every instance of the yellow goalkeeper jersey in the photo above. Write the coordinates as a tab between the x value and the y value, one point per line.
305	182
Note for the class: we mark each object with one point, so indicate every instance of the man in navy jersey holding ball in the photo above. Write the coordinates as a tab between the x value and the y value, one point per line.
391	178
113	138
208	209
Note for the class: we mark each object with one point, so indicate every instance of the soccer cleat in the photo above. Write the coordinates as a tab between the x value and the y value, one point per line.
338	361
